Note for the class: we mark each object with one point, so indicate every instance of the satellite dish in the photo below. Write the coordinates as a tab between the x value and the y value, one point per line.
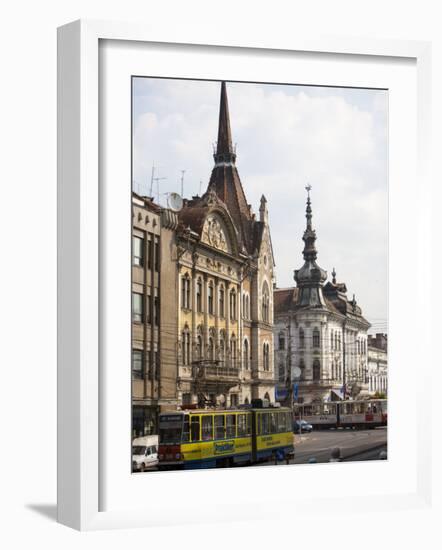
174	202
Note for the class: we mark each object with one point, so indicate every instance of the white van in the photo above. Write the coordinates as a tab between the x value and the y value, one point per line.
144	453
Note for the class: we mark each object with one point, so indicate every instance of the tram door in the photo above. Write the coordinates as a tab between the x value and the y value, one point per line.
338	414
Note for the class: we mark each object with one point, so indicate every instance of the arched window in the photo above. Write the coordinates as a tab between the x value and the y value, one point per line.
316	338
316	370
222	346
233	350
199	295
267	396
266	356
281	341
332	342
185	342
339	341
221	302
246	401
247	306
302	369
210	298
211	349
358	344
301	338
232	305
265	302
185	292
245	359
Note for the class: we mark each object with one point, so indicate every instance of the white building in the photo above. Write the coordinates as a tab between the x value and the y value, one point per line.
320	335
377	364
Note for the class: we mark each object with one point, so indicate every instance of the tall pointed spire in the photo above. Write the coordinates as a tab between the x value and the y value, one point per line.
310	277
309	236
224	148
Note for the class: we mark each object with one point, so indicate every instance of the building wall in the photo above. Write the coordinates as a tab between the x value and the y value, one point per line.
145	331
329	354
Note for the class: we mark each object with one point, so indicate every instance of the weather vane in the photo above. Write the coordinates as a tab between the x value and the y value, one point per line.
308	188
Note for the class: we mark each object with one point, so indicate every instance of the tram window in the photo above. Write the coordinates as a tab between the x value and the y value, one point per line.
219	426
249	424
207	428
195	428
231	425
186	429
264	423
242	427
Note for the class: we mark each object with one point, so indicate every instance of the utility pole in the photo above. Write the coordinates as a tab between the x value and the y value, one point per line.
344	381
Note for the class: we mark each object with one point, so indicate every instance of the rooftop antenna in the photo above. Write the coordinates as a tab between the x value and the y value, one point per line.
151	179
157	180
182	182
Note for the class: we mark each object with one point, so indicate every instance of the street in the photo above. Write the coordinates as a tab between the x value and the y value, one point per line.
354	445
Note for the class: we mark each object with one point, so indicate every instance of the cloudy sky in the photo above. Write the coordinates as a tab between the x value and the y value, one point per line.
286	136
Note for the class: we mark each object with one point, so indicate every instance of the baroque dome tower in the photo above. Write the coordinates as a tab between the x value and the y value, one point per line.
310	278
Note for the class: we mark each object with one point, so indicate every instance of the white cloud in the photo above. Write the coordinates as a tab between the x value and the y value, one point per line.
287	136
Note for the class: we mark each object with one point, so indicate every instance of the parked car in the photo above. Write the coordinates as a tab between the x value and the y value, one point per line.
144	453
300	426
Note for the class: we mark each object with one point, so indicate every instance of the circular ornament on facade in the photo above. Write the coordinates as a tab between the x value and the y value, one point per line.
297	372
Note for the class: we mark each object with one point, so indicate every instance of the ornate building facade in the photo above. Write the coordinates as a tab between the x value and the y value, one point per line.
378	364
320	335
225	279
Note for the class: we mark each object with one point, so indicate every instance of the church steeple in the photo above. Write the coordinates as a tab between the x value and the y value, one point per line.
225	181
225	152
310	277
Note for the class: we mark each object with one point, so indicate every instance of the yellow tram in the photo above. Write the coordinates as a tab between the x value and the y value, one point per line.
213	438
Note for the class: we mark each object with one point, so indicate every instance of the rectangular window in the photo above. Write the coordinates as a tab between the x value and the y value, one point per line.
149	251
242	425
195	428
207	428
137	307
157	254
264	424
149	308
157	364
219	426
137	364
186	429
137	251
231	425
249	424
156	310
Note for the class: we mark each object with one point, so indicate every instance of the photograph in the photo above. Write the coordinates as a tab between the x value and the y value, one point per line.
259	274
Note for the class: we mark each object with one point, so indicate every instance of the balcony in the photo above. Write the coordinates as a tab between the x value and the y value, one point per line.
214	375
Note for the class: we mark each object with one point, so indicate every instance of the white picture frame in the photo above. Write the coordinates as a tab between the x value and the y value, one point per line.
81	472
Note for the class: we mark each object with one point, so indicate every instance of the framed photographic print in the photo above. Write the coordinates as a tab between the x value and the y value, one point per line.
235	221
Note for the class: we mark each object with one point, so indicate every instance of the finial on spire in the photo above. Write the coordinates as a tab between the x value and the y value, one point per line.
334	276
308	210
